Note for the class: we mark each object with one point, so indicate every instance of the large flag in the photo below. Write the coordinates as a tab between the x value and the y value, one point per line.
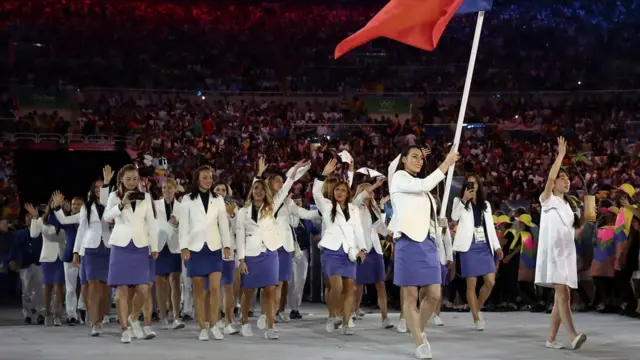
418	23
621	233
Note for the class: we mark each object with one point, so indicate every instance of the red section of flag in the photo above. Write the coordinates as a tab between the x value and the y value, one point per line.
418	23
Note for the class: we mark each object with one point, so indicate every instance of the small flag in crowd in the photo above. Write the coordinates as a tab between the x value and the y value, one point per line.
418	23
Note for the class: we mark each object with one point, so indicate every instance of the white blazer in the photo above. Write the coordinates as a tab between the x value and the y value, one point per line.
296	213
370	229
443	243
167	233
138	226
253	238
338	233
90	234
284	221
197	227
52	243
412	204
464	234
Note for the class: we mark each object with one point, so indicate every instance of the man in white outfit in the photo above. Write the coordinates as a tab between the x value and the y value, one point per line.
299	269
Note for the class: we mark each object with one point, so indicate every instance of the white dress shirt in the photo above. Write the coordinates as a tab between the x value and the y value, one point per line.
52	243
339	232
413	204
138	226
197	227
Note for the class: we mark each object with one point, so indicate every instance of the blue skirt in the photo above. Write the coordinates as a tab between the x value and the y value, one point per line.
371	270
53	272
228	268
477	261
445	275
204	262
263	271
337	263
83	272
168	262
129	265
285	263
95	263
416	263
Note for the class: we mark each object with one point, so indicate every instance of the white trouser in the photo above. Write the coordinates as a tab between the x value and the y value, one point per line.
187	293
32	290
298	279
71	284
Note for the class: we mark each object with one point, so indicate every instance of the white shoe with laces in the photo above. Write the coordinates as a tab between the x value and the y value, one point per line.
246	330
554	345
424	351
436	320
271	334
217	333
177	324
386	324
136	328
578	341
148	333
230	329
204	335
125	338
402	326
94	331
106	320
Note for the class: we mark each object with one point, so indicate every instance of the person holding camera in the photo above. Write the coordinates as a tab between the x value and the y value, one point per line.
343	246
133	238
205	241
477	243
414	224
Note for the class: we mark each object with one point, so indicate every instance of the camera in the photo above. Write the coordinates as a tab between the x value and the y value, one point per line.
136	195
468	186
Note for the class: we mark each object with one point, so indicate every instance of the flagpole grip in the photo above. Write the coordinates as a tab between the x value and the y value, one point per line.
463	110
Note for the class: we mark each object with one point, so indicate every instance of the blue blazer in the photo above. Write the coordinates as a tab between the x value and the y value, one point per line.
25	250
70	232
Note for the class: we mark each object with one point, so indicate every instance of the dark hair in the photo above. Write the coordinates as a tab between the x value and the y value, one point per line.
45	217
481	199
91	199
334	203
423	170
195	183
226	186
573	203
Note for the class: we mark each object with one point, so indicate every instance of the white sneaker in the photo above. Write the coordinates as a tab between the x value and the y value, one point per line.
480	325
283	317
230	329
262	322
578	341
436	320
204	335
386	324
106	320
164	324
424	351
216	333
125	338
148	333
100	329
57	321
177	324
331	324
348	330
271	334
554	345
220	323
95	332
402	326
360	314
136	328
246	330
351	323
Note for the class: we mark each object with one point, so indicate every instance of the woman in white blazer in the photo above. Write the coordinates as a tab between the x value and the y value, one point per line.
205	240
53	243
258	240
556	263
342	245
415	224
230	272
372	270
133	238
169	263
476	241
92	245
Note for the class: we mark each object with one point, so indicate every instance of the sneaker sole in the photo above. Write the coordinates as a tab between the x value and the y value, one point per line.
581	340
181	326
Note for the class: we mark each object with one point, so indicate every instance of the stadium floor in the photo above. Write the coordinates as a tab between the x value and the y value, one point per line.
518	335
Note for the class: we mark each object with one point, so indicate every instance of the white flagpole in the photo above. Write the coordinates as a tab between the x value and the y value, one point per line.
463	109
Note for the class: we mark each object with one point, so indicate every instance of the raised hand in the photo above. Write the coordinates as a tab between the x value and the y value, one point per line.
57	199
562	146
330	167
107	174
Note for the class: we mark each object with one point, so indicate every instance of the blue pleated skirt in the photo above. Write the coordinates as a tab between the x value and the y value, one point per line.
83	272
371	270
168	262
204	262
228	268
416	263
337	263
96	263
263	270
285	264
129	265
53	272
477	261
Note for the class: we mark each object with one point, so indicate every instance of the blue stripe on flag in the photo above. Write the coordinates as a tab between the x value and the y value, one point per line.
472	6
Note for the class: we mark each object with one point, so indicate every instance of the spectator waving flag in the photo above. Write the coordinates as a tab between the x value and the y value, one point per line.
418	23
